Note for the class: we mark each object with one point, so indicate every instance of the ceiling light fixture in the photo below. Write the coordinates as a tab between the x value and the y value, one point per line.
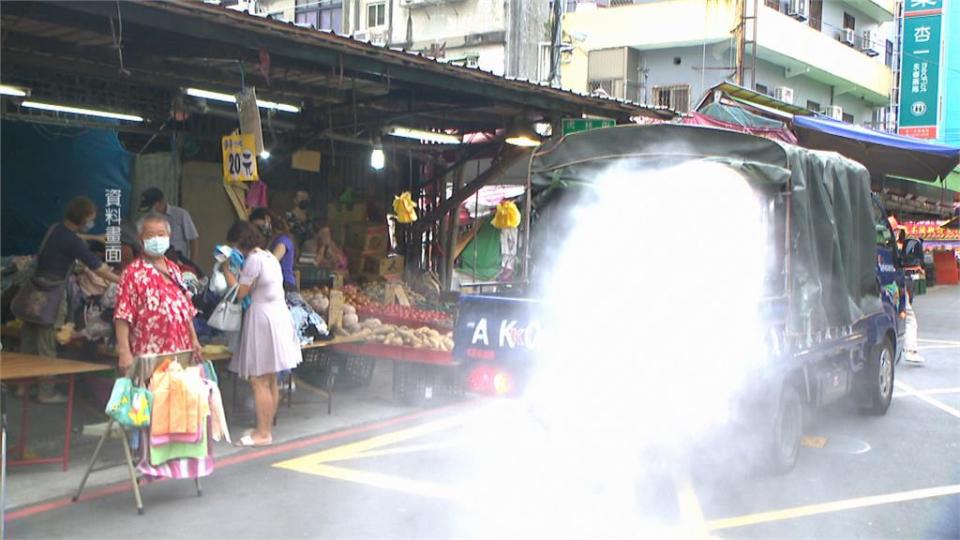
15	91
77	110
522	135
422	135
227	98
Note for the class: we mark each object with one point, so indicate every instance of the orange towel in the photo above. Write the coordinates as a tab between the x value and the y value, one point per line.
179	401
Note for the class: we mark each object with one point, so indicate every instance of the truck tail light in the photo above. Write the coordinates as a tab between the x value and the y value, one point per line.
490	380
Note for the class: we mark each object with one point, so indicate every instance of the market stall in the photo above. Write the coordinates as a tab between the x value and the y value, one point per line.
941	244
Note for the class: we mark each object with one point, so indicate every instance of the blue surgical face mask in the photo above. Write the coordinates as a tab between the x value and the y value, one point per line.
88	225
157	246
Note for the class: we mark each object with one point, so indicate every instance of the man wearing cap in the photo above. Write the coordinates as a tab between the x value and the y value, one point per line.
183	233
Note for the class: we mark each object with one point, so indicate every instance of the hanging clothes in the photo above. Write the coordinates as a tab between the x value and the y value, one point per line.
256	195
182	455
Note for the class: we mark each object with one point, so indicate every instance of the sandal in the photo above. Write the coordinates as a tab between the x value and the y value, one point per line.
247	442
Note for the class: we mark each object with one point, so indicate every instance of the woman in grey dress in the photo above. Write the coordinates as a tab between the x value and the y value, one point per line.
268	340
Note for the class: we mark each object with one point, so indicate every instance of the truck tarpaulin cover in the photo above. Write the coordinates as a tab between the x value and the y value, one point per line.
833	260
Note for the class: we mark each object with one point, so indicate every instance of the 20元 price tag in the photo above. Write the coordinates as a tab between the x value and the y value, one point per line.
239	158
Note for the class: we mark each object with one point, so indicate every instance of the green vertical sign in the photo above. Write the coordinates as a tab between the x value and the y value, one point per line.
920	68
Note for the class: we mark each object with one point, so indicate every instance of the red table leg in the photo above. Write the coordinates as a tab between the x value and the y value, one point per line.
24	418
66	437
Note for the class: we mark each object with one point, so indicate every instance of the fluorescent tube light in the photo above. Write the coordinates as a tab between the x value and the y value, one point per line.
77	110
7	90
227	98
422	135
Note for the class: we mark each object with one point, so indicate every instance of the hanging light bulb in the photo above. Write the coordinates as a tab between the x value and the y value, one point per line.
377	158
521	134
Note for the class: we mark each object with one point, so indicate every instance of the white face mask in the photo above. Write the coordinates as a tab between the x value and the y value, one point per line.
156	246
88	225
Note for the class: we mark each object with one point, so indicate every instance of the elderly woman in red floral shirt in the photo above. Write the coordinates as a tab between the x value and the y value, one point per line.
154	314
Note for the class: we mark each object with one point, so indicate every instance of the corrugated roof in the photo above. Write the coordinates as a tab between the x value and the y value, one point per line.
403	56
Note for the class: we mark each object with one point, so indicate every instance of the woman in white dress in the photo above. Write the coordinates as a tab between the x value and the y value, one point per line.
268	339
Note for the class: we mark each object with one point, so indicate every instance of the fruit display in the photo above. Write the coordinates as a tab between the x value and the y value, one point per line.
317	298
375	331
405	314
355	297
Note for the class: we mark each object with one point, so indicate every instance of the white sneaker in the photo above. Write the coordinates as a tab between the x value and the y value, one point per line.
913	358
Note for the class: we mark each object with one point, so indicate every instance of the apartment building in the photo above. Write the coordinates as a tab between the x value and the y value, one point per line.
502	36
832	56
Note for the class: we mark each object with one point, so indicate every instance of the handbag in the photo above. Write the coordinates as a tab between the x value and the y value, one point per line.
228	315
38	299
130	405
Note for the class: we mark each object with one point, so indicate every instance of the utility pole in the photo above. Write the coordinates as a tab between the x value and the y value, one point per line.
556	39
743	42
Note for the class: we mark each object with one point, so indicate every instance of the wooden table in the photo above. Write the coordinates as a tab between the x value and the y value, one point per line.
28	369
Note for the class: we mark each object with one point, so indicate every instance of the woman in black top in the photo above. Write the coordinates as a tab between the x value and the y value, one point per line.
62	247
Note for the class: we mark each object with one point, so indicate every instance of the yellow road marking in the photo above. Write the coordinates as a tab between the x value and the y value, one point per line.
405	450
835	506
359	448
809	441
691	513
379	480
936	403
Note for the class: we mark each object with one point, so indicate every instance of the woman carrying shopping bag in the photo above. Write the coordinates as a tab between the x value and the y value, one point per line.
268	340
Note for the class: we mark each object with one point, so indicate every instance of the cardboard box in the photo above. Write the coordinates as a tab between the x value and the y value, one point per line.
306	160
382	265
338	213
369	239
335	313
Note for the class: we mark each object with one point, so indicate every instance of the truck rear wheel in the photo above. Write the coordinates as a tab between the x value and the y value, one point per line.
877	380
783	445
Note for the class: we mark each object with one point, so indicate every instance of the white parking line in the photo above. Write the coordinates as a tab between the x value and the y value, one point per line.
941	341
931	392
921	396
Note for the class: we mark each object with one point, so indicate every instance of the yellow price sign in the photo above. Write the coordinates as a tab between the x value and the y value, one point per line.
240	158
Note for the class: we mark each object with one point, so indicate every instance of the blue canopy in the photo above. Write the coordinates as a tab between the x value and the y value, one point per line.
881	153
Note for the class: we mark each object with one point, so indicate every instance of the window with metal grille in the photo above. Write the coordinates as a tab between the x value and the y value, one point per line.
677	97
849	21
813	105
848	118
320	14
816	14
761	88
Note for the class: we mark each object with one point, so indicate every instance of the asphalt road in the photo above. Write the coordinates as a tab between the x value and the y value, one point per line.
483	469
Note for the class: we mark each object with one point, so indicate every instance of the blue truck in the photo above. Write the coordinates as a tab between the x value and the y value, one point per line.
832	315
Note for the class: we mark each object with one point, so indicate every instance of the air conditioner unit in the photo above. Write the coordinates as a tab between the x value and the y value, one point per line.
378	37
784	94
871	43
798	9
848	36
361	35
834	111
421	3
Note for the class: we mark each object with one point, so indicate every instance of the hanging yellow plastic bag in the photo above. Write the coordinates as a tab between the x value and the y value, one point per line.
508	216
405	208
